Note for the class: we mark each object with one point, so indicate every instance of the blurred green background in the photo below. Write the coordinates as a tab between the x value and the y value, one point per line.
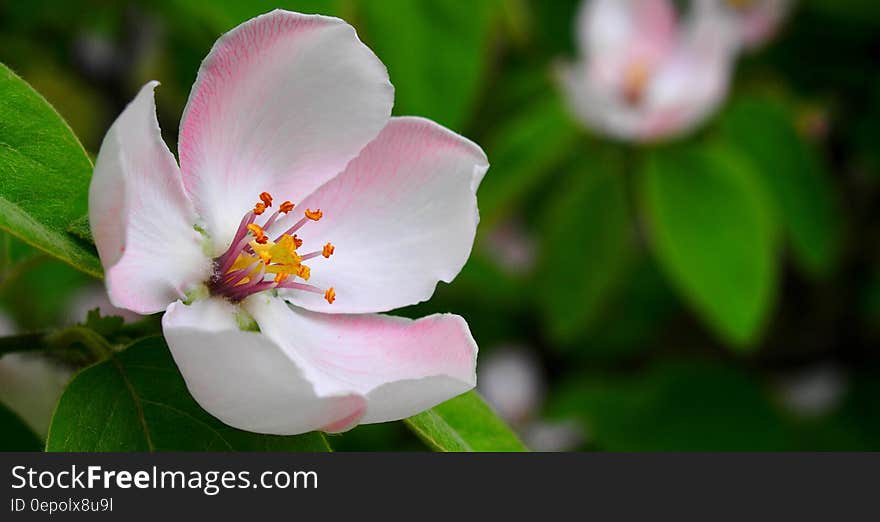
716	292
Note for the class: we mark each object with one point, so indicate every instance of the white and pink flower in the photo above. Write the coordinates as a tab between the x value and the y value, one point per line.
753	21
299	211
643	74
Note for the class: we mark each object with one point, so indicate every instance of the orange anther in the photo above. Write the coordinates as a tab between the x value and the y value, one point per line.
314	215
281	276
286	207
328	250
330	295
266	198
304	272
259	208
297	241
258	233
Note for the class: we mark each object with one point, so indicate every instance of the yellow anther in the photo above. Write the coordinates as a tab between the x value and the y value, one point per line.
259	208
330	295
281	276
328	250
266	198
314	215
286	207
304	272
241	262
264	250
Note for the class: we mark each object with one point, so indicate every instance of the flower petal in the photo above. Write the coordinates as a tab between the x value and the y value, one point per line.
615	33
281	104
244	379
141	219
693	81
402	216
401	366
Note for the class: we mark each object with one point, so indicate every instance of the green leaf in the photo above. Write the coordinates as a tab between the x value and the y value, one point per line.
223	15
45	174
436	51
714	235
764	131
465	423
104	325
674	406
137	401
524	154
16	435
586	246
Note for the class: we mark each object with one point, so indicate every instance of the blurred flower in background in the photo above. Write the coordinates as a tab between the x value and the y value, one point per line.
754	22
91	297
513	382
30	384
644	73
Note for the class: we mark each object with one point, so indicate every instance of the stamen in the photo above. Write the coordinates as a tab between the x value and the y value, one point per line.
327	251
254	263
258	233
296	226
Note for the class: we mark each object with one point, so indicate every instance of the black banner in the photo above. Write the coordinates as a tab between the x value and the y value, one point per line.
464	486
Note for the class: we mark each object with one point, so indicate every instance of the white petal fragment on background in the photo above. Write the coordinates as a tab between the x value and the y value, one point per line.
245	379
401	366
140	216
402	217
281	104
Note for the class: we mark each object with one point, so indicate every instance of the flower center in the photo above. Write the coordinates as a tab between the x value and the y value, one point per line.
255	263
741	5
635	80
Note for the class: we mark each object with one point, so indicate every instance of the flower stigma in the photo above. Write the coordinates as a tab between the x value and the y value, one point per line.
254	262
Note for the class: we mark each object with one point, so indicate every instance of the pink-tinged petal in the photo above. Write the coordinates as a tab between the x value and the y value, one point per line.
597	104
613	34
140	216
692	82
401	366
754	23
402	217
245	379
281	104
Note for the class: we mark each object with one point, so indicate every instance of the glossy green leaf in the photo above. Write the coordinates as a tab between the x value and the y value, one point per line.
15	435
465	423
713	232
674	406
764	130
45	174
585	247
524	154
436	51
137	401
